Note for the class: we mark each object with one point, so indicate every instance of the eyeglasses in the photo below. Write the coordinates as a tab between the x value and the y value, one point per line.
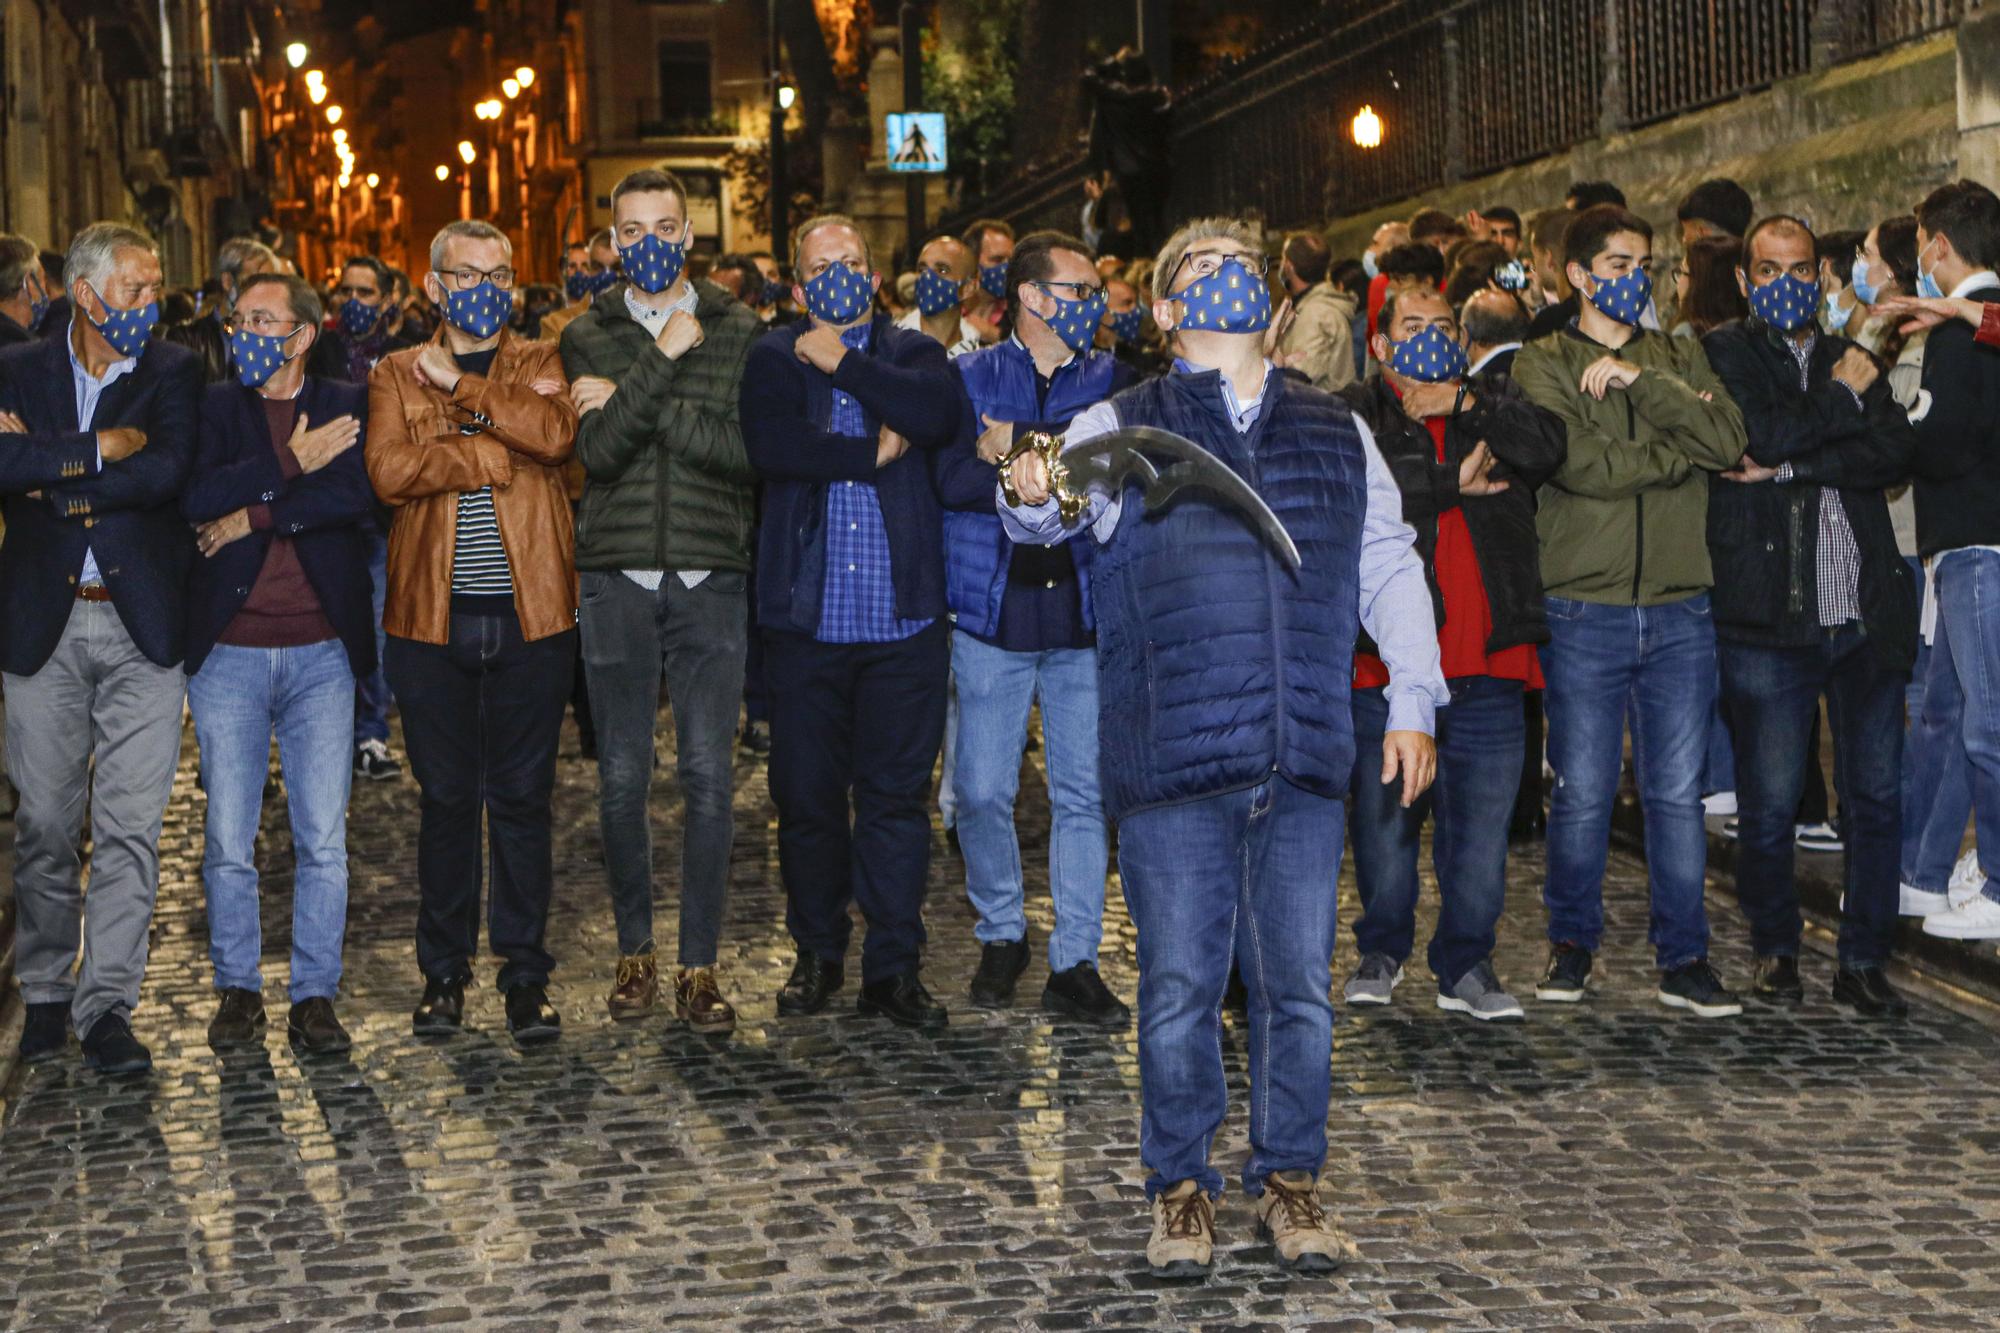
465	279
1208	262
263	324
1078	291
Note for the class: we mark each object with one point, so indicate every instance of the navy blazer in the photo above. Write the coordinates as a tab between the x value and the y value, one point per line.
322	512
127	512
786	405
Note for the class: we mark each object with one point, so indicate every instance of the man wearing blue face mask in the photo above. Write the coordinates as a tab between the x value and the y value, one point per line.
991	242
1627	575
1467	463
1226	736
97	429
838	416
1811	598
280	625
944	282
24	294
1024	633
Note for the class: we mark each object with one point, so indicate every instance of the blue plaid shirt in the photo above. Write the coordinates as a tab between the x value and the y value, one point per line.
858	600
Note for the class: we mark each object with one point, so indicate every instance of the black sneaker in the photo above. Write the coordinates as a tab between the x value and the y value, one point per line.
1777	980
1078	992
110	1048
45	1034
1568	975
239	1019
1000	966
757	738
442	1010
373	761
1696	988
530	1016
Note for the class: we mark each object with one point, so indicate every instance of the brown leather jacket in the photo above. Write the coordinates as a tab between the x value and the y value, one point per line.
419	462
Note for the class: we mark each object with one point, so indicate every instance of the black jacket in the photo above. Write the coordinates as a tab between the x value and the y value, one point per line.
322	512
1763	537
1957	464
13	333
1528	445
127	513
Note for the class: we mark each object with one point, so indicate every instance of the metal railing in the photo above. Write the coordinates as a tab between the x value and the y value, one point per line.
1466	87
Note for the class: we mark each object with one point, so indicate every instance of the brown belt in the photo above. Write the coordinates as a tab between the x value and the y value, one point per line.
92	592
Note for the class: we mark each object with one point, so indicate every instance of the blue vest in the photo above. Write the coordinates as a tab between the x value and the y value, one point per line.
1000	380
1217	667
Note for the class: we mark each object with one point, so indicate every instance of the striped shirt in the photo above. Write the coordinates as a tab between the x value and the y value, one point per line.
478	561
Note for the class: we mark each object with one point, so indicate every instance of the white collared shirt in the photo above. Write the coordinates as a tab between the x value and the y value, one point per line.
1480	364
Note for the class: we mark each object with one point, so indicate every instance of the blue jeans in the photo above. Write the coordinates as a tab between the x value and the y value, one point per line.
1479	741
241	697
1962	700
371	693
1661	661
995	689
1774	696
1937	783
1244	873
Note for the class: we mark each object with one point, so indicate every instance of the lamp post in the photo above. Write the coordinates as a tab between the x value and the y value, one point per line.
913	99
780	189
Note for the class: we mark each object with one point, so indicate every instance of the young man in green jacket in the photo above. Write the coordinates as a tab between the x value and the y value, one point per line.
663	553
1623	529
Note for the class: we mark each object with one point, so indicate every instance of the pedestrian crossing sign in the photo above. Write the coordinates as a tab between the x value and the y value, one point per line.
916	140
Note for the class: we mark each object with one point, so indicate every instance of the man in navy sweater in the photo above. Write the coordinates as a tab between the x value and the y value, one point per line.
837	412
280	624
99	426
1024	633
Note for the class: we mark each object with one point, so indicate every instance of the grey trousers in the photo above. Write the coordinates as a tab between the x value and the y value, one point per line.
696	639
96	697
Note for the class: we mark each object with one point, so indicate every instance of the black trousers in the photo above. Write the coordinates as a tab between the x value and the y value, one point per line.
481	718
855	731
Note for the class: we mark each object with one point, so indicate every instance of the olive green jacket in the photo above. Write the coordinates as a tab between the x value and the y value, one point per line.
1625	519
667	484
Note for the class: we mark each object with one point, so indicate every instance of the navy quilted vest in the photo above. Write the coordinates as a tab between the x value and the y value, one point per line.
1217	666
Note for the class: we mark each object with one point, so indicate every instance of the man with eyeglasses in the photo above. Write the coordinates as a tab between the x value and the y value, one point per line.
97	429
1023	633
279	628
468	435
1226	734
839	415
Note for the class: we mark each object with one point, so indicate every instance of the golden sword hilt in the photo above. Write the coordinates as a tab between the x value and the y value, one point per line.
1049	449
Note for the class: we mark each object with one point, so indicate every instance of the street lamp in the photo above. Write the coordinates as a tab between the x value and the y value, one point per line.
1367	128
466	152
511	87
340	136
525	76
333	114
317	92
295	54
373	180
786	96
443	172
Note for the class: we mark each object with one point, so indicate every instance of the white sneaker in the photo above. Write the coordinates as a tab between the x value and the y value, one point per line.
1978	919
1917	902
1967	879
1719	803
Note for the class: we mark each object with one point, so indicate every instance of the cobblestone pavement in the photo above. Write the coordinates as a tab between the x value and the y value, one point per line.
1611	1165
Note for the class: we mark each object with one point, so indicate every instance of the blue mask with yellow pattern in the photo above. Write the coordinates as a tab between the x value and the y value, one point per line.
1230	300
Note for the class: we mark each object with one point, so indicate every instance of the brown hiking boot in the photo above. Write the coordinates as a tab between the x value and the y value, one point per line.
637	988
1183	1240
1289	1215
698	1001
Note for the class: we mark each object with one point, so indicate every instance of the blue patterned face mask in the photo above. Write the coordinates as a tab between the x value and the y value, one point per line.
1075	322
838	295
1784	302
774	292
651	264
1230	300
935	292
258	356
126	330
358	319
38	305
1432	356
1125	324
993	280
579	285
1624	298
480	312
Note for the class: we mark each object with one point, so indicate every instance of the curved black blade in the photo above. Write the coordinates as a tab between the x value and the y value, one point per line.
1113	459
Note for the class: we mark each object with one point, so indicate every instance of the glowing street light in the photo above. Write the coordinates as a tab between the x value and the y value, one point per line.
295	54
511	87
340	136
1367	128
466	152
786	96
525	76
443	172
333	114
373	180
317	92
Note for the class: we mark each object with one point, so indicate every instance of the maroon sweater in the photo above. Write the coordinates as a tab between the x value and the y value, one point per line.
282	610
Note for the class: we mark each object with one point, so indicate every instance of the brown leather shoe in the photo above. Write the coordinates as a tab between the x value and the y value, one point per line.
637	988
698	1001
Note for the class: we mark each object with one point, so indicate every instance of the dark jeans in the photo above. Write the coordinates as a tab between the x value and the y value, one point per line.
694	638
1479	742
481	717
371	692
1773	695
855	730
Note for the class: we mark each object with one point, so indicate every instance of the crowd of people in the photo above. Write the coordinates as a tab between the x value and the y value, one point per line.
1536	504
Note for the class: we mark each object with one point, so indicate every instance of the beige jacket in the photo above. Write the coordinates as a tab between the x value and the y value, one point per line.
1320	343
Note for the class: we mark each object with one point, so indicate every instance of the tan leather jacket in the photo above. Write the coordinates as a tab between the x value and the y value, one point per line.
420	462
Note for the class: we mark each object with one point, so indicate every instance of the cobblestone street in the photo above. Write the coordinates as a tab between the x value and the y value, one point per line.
1610	1165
